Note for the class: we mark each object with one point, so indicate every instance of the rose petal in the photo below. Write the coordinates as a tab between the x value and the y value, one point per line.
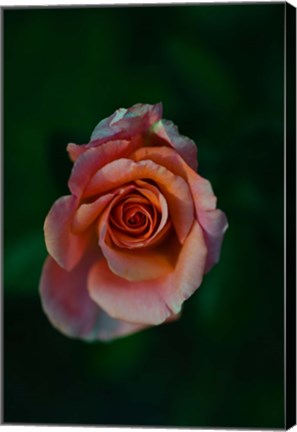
174	188
137	302
213	221
188	274
86	214
95	158
169	134
74	151
158	201
127	235
214	224
110	328
66	302
123	124
143	240
128	122
104	128
62	244
124	208
152	301
153	194
137	264
65	298
200	188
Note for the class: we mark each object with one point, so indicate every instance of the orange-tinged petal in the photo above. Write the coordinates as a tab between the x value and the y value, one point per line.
127	234
140	263
147	194
151	301
212	220
87	213
95	158
173	187
200	188
189	270
142	240
152	193
62	243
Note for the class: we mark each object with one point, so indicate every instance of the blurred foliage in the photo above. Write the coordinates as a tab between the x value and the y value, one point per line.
218	69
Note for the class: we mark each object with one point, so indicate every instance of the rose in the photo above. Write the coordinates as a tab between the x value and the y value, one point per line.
140	228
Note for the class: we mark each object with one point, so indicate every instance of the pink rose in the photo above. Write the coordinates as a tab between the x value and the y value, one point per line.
135	237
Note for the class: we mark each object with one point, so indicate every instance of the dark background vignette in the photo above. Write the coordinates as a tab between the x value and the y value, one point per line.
218	69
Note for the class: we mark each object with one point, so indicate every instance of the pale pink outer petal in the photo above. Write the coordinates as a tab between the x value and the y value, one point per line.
62	244
212	220
68	306
153	112
214	224
128	122
183	145
104	127
110	328
151	302
173	187
121	125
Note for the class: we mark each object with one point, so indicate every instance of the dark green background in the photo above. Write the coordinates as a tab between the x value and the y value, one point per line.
218	69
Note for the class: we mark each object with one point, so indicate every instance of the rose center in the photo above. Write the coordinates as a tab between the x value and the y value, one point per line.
135	218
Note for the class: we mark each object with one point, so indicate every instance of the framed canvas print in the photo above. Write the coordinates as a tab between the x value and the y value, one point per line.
149	206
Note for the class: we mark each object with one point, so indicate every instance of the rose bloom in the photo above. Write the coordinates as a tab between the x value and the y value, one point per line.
138	232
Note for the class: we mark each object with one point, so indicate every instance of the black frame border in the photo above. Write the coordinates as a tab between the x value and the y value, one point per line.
290	215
